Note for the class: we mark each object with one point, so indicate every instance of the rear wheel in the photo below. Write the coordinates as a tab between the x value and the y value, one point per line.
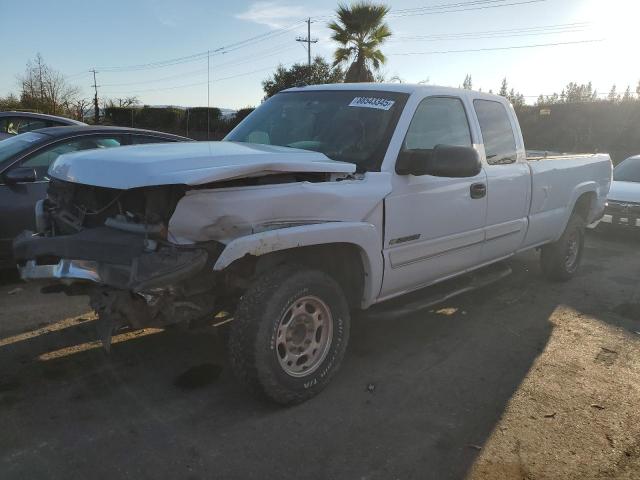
560	260
289	334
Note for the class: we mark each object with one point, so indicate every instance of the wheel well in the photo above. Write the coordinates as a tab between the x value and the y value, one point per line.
584	205
342	261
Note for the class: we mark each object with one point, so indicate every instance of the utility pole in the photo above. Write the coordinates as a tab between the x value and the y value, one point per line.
209	52
208	94
308	41
96	108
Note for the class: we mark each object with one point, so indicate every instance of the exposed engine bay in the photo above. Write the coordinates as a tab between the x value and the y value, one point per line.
121	258
116	246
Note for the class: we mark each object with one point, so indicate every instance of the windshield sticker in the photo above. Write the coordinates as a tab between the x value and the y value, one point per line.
372	102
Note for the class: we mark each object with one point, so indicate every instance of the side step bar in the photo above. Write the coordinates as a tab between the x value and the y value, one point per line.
441	292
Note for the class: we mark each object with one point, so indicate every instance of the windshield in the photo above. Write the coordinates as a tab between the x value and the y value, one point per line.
351	126
628	171
10	146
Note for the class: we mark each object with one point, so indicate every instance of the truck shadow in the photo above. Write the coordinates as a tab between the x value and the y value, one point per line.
417	396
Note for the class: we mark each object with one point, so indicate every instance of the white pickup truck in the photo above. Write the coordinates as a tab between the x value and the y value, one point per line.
326	199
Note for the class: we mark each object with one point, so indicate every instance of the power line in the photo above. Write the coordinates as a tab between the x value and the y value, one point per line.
442	8
200	83
514	47
202	55
542	30
427	10
459	7
201	71
278	49
155	80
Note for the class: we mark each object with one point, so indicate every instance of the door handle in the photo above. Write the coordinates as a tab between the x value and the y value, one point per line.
478	190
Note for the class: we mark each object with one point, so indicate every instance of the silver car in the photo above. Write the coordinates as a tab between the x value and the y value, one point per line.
14	123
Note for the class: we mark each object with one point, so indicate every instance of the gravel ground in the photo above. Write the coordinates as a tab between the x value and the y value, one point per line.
523	379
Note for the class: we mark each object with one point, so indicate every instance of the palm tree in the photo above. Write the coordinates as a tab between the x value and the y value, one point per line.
360	29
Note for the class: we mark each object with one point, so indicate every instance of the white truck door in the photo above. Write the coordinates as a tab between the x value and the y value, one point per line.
508	180
434	228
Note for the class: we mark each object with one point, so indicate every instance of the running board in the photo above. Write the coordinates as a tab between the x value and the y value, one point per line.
441	292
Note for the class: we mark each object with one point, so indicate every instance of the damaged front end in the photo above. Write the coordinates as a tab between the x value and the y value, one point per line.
114	246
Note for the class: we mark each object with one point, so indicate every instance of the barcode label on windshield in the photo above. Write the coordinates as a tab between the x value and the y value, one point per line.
372	102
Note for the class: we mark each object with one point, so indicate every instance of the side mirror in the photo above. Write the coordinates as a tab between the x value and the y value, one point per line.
20	175
442	161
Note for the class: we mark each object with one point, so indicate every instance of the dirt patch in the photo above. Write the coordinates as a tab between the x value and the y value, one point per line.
606	356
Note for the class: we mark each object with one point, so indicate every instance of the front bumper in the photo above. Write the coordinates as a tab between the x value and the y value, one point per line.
622	214
66	271
109	257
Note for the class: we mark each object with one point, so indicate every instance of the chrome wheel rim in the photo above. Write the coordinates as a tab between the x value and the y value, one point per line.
304	336
573	249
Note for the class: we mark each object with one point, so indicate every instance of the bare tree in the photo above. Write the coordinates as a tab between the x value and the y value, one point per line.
81	108
10	102
123	102
45	89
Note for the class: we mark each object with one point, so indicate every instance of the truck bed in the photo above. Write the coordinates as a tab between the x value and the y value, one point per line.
554	188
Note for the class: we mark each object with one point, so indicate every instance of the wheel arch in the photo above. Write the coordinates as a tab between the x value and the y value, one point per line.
584	201
349	252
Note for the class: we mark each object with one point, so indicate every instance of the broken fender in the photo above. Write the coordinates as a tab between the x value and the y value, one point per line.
224	214
363	235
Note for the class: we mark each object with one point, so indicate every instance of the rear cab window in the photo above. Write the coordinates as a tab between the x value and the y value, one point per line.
497	132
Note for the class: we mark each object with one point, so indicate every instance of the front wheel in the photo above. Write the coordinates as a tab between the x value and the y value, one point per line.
560	260
289	334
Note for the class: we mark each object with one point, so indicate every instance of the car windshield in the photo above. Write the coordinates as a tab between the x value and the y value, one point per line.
351	126
10	146
628	171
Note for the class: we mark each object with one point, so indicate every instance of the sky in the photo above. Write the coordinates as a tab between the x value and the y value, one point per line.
129	42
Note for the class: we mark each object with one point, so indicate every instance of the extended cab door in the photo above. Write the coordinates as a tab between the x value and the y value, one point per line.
434	227
508	179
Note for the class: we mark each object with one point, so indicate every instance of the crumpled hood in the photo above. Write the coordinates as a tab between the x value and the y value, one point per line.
190	163
624	192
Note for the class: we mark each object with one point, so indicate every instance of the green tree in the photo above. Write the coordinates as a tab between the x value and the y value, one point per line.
572	93
638	90
516	98
468	83
504	88
627	96
360	30
579	93
613	94
302	74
